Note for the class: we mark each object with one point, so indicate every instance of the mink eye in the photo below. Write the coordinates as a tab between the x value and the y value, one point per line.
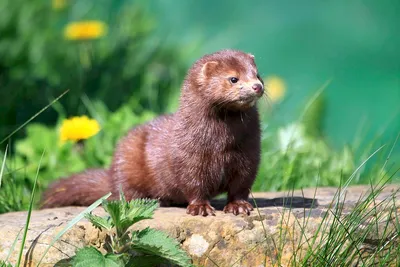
234	79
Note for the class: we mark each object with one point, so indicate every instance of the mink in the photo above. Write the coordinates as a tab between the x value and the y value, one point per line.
209	146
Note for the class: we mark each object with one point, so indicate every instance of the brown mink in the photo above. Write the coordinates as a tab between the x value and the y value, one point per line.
210	145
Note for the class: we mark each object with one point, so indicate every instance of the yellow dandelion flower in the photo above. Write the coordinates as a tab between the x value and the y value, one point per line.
85	30
78	128
58	4
275	87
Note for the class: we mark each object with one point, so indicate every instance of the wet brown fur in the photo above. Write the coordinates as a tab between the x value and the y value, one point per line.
209	146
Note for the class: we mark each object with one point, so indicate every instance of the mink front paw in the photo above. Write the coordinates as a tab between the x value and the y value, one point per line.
238	207
203	209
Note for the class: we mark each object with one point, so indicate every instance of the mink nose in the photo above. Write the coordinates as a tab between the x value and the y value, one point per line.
258	88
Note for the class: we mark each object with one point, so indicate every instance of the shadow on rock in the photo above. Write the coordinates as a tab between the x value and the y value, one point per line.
287	202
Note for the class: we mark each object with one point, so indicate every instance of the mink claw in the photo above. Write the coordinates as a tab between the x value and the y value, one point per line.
203	209
238	207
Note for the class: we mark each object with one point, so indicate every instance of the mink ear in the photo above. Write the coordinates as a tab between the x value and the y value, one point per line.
208	68
251	55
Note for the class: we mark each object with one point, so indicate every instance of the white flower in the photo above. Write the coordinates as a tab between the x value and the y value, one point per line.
291	137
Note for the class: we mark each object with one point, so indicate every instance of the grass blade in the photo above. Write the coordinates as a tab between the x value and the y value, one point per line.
72	223
309	103
390	153
33	117
28	218
3	165
359	167
314	97
13	246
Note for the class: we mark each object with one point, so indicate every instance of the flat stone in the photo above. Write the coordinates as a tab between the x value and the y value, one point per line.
223	239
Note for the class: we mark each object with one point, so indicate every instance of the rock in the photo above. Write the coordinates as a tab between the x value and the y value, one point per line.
273	233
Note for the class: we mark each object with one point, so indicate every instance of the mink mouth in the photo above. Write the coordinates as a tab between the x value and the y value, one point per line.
247	99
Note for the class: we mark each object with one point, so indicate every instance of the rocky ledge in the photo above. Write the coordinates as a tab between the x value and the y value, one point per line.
276	232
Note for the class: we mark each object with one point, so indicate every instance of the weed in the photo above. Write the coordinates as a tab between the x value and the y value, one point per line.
146	247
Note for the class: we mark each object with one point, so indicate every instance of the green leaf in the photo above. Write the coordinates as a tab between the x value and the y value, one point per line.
141	209
137	210
7	264
90	256
313	116
64	262
125	214
99	222
145	261
114	208
158	243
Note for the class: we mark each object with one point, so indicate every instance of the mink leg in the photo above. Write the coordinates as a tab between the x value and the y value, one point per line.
237	203
200	207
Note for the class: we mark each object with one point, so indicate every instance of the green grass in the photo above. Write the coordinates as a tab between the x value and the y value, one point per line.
28	217
25	232
367	234
297	155
3	165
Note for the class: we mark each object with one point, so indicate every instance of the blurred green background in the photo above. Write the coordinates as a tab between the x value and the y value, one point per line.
354	43
133	71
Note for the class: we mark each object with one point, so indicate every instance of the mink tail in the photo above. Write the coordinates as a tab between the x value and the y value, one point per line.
80	189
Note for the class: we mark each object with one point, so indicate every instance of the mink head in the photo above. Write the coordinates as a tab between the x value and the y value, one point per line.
226	79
